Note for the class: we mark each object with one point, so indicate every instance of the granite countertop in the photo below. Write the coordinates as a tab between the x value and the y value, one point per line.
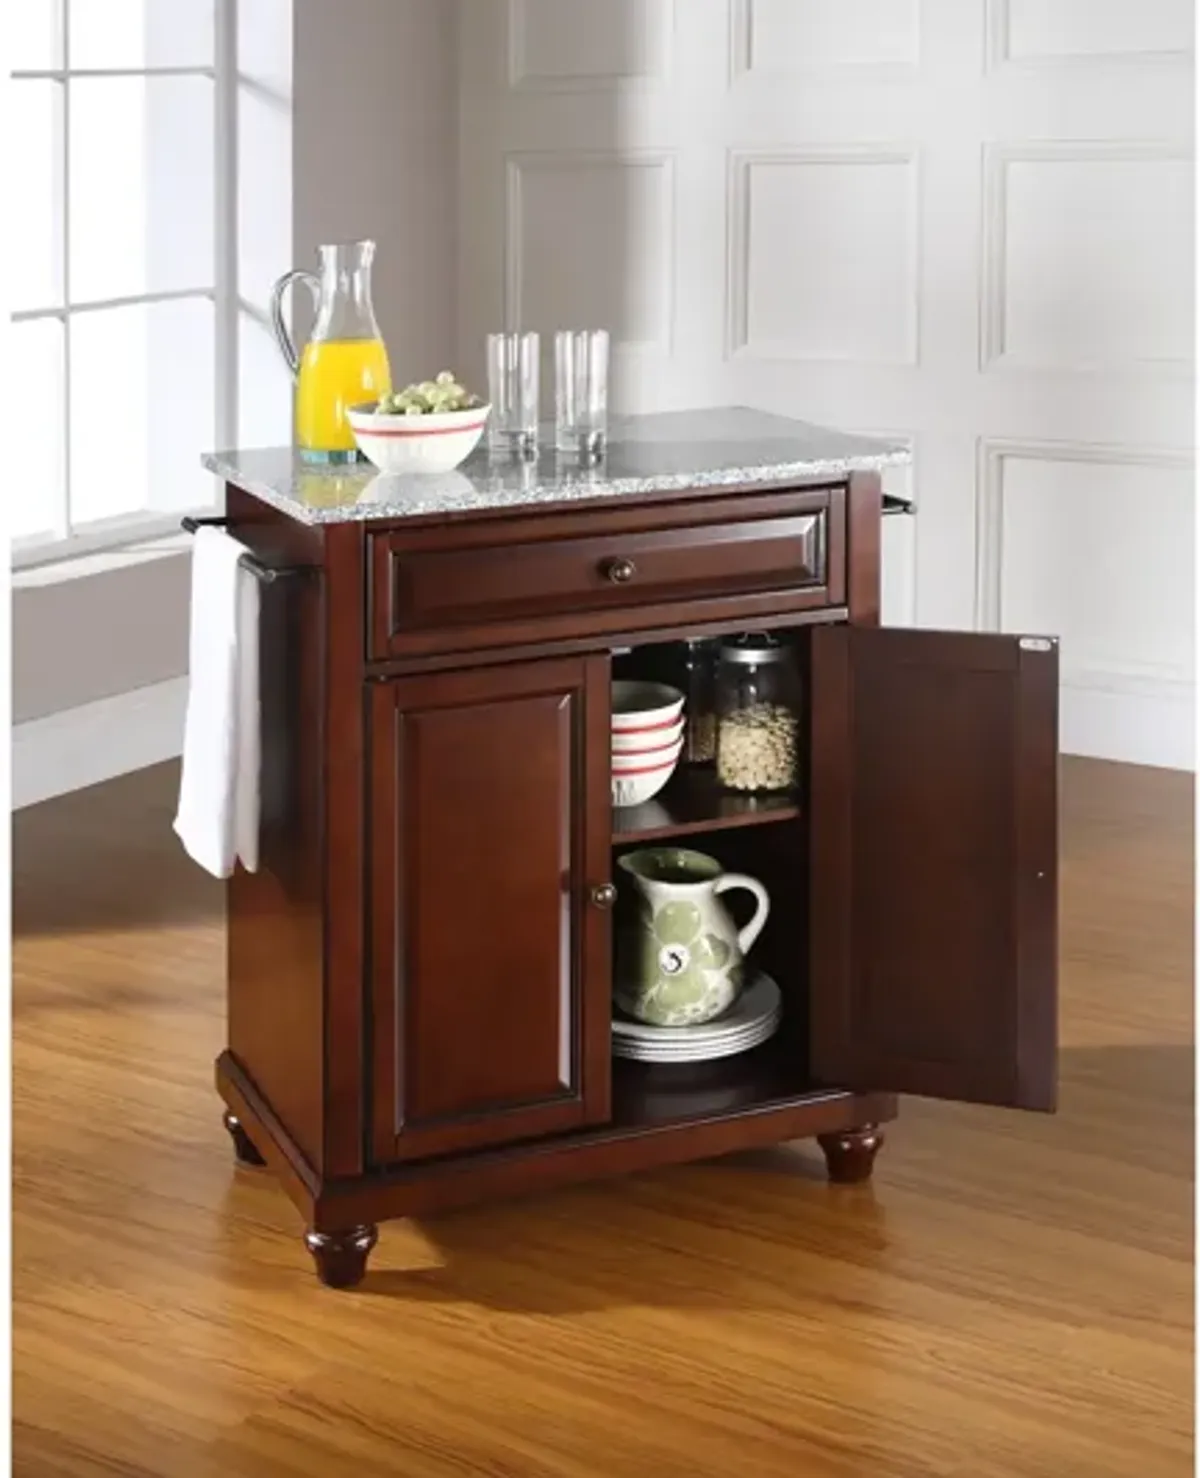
665	452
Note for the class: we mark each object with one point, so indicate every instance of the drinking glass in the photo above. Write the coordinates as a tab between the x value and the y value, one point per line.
513	361
581	392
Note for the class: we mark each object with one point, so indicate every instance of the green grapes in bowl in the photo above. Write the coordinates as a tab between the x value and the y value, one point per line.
429	398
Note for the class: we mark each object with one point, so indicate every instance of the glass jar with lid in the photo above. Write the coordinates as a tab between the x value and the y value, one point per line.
697	679
758	715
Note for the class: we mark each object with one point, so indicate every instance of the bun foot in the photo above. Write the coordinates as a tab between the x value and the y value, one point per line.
243	1145
850	1155
341	1257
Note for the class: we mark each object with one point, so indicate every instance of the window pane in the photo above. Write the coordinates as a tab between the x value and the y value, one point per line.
35	174
141	33
141	186
141	408
34	498
34	35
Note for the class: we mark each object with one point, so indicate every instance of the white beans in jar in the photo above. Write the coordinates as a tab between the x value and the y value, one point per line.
756	748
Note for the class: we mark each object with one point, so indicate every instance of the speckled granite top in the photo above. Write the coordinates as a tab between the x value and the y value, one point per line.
665	452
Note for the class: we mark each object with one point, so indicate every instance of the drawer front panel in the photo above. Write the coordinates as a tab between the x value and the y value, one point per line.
428	598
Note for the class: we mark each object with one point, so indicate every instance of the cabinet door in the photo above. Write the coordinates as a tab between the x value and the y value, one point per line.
489	816
934	864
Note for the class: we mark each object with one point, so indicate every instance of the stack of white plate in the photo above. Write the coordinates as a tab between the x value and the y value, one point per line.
752	1019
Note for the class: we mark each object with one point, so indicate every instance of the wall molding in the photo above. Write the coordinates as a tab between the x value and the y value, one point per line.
994	354
737	253
1140	713
520	163
520	79
742	66
1110	718
98	741
998	52
991	455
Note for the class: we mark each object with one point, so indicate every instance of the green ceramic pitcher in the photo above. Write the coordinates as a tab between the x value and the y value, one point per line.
680	955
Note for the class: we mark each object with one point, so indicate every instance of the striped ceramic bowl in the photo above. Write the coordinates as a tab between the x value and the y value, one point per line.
435	443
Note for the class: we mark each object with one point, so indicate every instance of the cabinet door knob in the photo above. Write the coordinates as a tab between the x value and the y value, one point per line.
620	571
604	895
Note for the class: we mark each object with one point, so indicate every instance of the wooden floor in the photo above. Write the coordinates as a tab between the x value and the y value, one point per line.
1012	1297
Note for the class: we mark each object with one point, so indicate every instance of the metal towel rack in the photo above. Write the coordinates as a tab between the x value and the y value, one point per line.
893	505
266	573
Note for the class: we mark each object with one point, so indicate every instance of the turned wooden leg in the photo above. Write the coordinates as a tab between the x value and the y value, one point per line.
341	1257
243	1145
850	1155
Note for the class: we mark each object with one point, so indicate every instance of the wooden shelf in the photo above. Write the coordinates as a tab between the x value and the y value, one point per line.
692	803
648	1094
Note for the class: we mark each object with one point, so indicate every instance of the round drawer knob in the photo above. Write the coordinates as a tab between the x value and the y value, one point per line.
620	571
604	895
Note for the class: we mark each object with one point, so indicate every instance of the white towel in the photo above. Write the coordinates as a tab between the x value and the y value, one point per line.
219	789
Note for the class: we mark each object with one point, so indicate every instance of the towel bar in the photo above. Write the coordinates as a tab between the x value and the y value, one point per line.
893	505
265	573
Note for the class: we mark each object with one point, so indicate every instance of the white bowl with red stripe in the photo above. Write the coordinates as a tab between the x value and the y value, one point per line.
647	739
636	740
638	777
434	443
644	708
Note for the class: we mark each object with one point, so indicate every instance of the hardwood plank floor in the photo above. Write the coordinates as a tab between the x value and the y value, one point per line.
1011	1298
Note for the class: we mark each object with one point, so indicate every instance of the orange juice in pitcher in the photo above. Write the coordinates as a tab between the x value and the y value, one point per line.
344	363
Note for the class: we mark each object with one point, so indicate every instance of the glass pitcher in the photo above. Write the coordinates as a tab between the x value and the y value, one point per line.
344	362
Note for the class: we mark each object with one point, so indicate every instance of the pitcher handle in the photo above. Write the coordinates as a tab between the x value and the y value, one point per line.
284	339
754	928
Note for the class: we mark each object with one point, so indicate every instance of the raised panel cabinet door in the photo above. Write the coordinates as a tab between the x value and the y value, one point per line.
933	864
489	819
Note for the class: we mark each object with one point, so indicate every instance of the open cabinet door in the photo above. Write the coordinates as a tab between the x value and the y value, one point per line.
933	798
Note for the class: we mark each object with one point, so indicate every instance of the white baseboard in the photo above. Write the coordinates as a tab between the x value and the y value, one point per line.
1139	722
98	741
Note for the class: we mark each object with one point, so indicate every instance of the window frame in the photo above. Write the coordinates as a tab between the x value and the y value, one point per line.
64	540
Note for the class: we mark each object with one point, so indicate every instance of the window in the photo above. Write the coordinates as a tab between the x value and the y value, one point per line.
125	321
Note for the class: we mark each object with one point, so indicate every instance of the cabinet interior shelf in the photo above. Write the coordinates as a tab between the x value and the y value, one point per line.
692	803
775	1074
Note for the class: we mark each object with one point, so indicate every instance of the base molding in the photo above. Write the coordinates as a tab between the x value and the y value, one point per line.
1128	719
530	1166
97	741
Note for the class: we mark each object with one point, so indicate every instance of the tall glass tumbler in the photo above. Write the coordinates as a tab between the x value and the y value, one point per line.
513	368
581	393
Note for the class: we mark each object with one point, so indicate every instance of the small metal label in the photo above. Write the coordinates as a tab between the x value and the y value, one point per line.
1036	644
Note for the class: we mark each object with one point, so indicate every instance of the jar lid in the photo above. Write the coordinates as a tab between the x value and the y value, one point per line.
754	650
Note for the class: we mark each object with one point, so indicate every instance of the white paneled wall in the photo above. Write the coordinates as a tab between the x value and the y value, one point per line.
967	223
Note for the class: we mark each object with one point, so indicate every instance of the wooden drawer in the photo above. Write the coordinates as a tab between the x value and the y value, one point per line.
598	572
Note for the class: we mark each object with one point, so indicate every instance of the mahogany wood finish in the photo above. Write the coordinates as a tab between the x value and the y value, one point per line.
519	1170
344	857
243	1145
490	828
500	584
429	944
440	590
865	547
658	1118
671	623
933	863
693	803
850	1155
276	916
341	1257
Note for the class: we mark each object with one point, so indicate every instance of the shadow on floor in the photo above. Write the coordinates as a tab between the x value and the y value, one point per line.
106	860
